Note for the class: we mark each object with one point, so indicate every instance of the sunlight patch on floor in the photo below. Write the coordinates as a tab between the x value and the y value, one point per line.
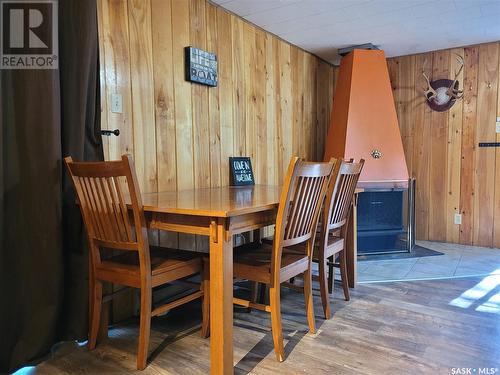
479	291
27	370
492	305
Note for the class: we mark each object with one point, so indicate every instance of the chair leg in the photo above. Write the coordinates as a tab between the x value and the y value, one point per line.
144	328
343	275
205	302
254	293
308	297
95	313
331	275
103	333
325	297
262	293
275	303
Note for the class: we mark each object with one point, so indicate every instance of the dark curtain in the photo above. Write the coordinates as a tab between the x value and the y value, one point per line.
46	115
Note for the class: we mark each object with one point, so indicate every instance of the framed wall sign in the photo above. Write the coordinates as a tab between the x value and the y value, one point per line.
240	171
201	66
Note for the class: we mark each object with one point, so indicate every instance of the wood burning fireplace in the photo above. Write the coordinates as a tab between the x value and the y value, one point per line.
386	220
364	125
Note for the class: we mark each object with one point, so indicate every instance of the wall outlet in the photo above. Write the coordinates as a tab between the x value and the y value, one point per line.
458	219
116	103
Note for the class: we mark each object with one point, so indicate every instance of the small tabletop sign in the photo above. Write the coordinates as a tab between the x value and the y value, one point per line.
240	171
201	66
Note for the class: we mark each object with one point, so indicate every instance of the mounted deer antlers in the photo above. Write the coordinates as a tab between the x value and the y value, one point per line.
453	92
429	92
441	94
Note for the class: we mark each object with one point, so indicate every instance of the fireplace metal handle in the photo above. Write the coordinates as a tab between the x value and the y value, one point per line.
411	213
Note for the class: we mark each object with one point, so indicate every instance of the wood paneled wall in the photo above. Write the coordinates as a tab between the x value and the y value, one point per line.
273	99
453	174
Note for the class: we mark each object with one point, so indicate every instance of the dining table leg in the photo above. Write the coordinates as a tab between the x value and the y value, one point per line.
221	298
352	245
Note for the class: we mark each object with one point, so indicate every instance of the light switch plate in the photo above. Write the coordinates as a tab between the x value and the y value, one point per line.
497	129
116	103
458	219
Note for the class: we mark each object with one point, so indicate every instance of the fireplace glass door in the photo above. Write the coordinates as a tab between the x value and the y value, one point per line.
385	221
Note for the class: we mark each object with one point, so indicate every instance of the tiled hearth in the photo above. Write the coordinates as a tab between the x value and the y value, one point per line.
456	261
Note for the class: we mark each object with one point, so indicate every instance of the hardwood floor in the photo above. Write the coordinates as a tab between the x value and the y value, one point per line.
419	327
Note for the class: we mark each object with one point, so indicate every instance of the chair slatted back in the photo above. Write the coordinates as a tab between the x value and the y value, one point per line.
341	193
101	189
303	193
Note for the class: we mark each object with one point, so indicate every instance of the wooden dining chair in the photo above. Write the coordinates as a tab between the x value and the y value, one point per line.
112	227
332	234
300	203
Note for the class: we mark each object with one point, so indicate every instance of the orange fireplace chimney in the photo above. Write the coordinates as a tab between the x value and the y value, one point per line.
364	123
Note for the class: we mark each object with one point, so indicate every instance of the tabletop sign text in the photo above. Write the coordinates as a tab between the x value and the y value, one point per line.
201	66
240	171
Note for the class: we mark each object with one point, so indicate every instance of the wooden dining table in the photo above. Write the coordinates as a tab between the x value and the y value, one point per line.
220	213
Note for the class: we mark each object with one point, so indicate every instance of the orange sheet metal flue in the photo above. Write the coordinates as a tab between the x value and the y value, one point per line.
364	122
